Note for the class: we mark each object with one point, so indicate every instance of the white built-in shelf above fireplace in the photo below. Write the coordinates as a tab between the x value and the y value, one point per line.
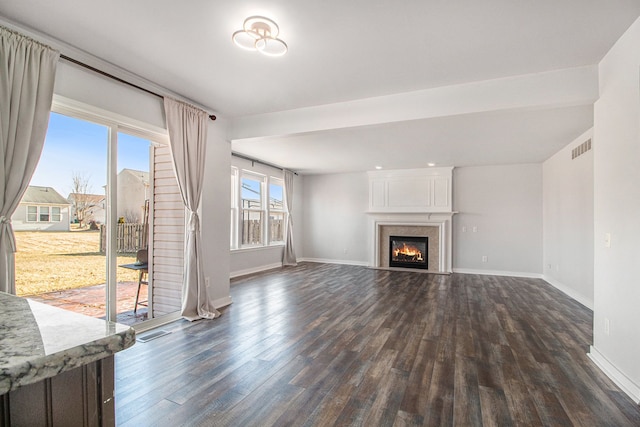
416	202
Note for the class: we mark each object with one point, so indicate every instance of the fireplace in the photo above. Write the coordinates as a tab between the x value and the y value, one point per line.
408	251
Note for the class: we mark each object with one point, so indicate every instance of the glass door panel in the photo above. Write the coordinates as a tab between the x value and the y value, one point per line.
61	254
132	234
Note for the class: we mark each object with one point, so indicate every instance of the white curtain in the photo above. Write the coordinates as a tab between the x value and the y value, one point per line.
289	254
27	74
187	127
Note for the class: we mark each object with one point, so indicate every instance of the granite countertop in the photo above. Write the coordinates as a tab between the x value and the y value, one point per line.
38	341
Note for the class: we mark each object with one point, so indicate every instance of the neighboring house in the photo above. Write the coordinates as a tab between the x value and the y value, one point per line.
41	208
93	206
133	191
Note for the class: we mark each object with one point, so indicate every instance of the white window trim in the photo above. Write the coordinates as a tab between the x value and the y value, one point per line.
237	174
280	182
59	214
262	179
38	213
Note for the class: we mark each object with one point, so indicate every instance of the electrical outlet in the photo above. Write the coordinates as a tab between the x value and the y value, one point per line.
549	266
606	326
464	228
484	258
206	282
475	229
346	251
607	240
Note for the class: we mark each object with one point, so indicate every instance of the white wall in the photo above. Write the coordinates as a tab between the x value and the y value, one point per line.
335	217
82	85
568	221
504	204
617	212
214	221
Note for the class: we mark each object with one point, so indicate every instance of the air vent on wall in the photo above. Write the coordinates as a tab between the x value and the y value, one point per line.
581	149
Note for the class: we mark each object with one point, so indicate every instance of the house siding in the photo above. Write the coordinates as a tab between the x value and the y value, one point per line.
20	223
168	222
132	193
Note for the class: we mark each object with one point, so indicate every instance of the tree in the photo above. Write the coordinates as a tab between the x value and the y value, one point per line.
131	217
80	197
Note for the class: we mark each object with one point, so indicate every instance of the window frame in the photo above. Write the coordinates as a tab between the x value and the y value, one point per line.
237	210
262	211
52	214
115	123
44	211
279	182
32	213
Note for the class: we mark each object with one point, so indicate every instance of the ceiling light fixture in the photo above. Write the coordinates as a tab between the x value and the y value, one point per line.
261	34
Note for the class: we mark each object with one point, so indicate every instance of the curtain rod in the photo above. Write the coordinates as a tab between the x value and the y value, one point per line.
118	79
242	156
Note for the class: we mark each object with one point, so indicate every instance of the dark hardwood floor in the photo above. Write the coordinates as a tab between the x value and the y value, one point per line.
323	345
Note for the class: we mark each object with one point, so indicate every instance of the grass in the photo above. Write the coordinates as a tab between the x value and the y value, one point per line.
49	261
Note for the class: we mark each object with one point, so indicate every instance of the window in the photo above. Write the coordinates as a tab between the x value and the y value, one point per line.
32	213
257	209
252	213
276	211
44	214
234	206
55	214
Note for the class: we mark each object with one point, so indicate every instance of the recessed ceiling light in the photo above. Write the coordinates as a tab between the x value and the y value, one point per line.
431	164
378	167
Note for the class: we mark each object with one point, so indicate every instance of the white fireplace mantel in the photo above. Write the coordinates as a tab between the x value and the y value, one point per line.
412	197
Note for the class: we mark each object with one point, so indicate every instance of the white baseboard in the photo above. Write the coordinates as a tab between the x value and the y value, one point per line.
498	273
222	302
172	317
255	270
334	261
625	383
157	322
570	292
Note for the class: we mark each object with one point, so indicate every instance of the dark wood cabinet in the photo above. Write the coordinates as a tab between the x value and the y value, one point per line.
79	397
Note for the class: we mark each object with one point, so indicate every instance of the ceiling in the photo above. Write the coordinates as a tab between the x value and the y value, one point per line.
345	51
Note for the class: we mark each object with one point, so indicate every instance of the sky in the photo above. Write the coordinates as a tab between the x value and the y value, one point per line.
250	190
75	146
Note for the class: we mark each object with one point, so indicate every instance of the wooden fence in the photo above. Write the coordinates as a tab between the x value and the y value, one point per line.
252	231
129	238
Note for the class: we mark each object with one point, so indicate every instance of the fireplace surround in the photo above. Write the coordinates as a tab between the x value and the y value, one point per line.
437	227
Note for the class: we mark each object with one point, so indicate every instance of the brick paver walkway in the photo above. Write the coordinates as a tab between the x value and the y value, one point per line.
90	301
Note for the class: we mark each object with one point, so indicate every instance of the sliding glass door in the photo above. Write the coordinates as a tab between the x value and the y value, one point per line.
60	260
85	228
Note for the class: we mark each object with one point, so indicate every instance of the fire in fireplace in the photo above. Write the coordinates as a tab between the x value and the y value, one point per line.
408	251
